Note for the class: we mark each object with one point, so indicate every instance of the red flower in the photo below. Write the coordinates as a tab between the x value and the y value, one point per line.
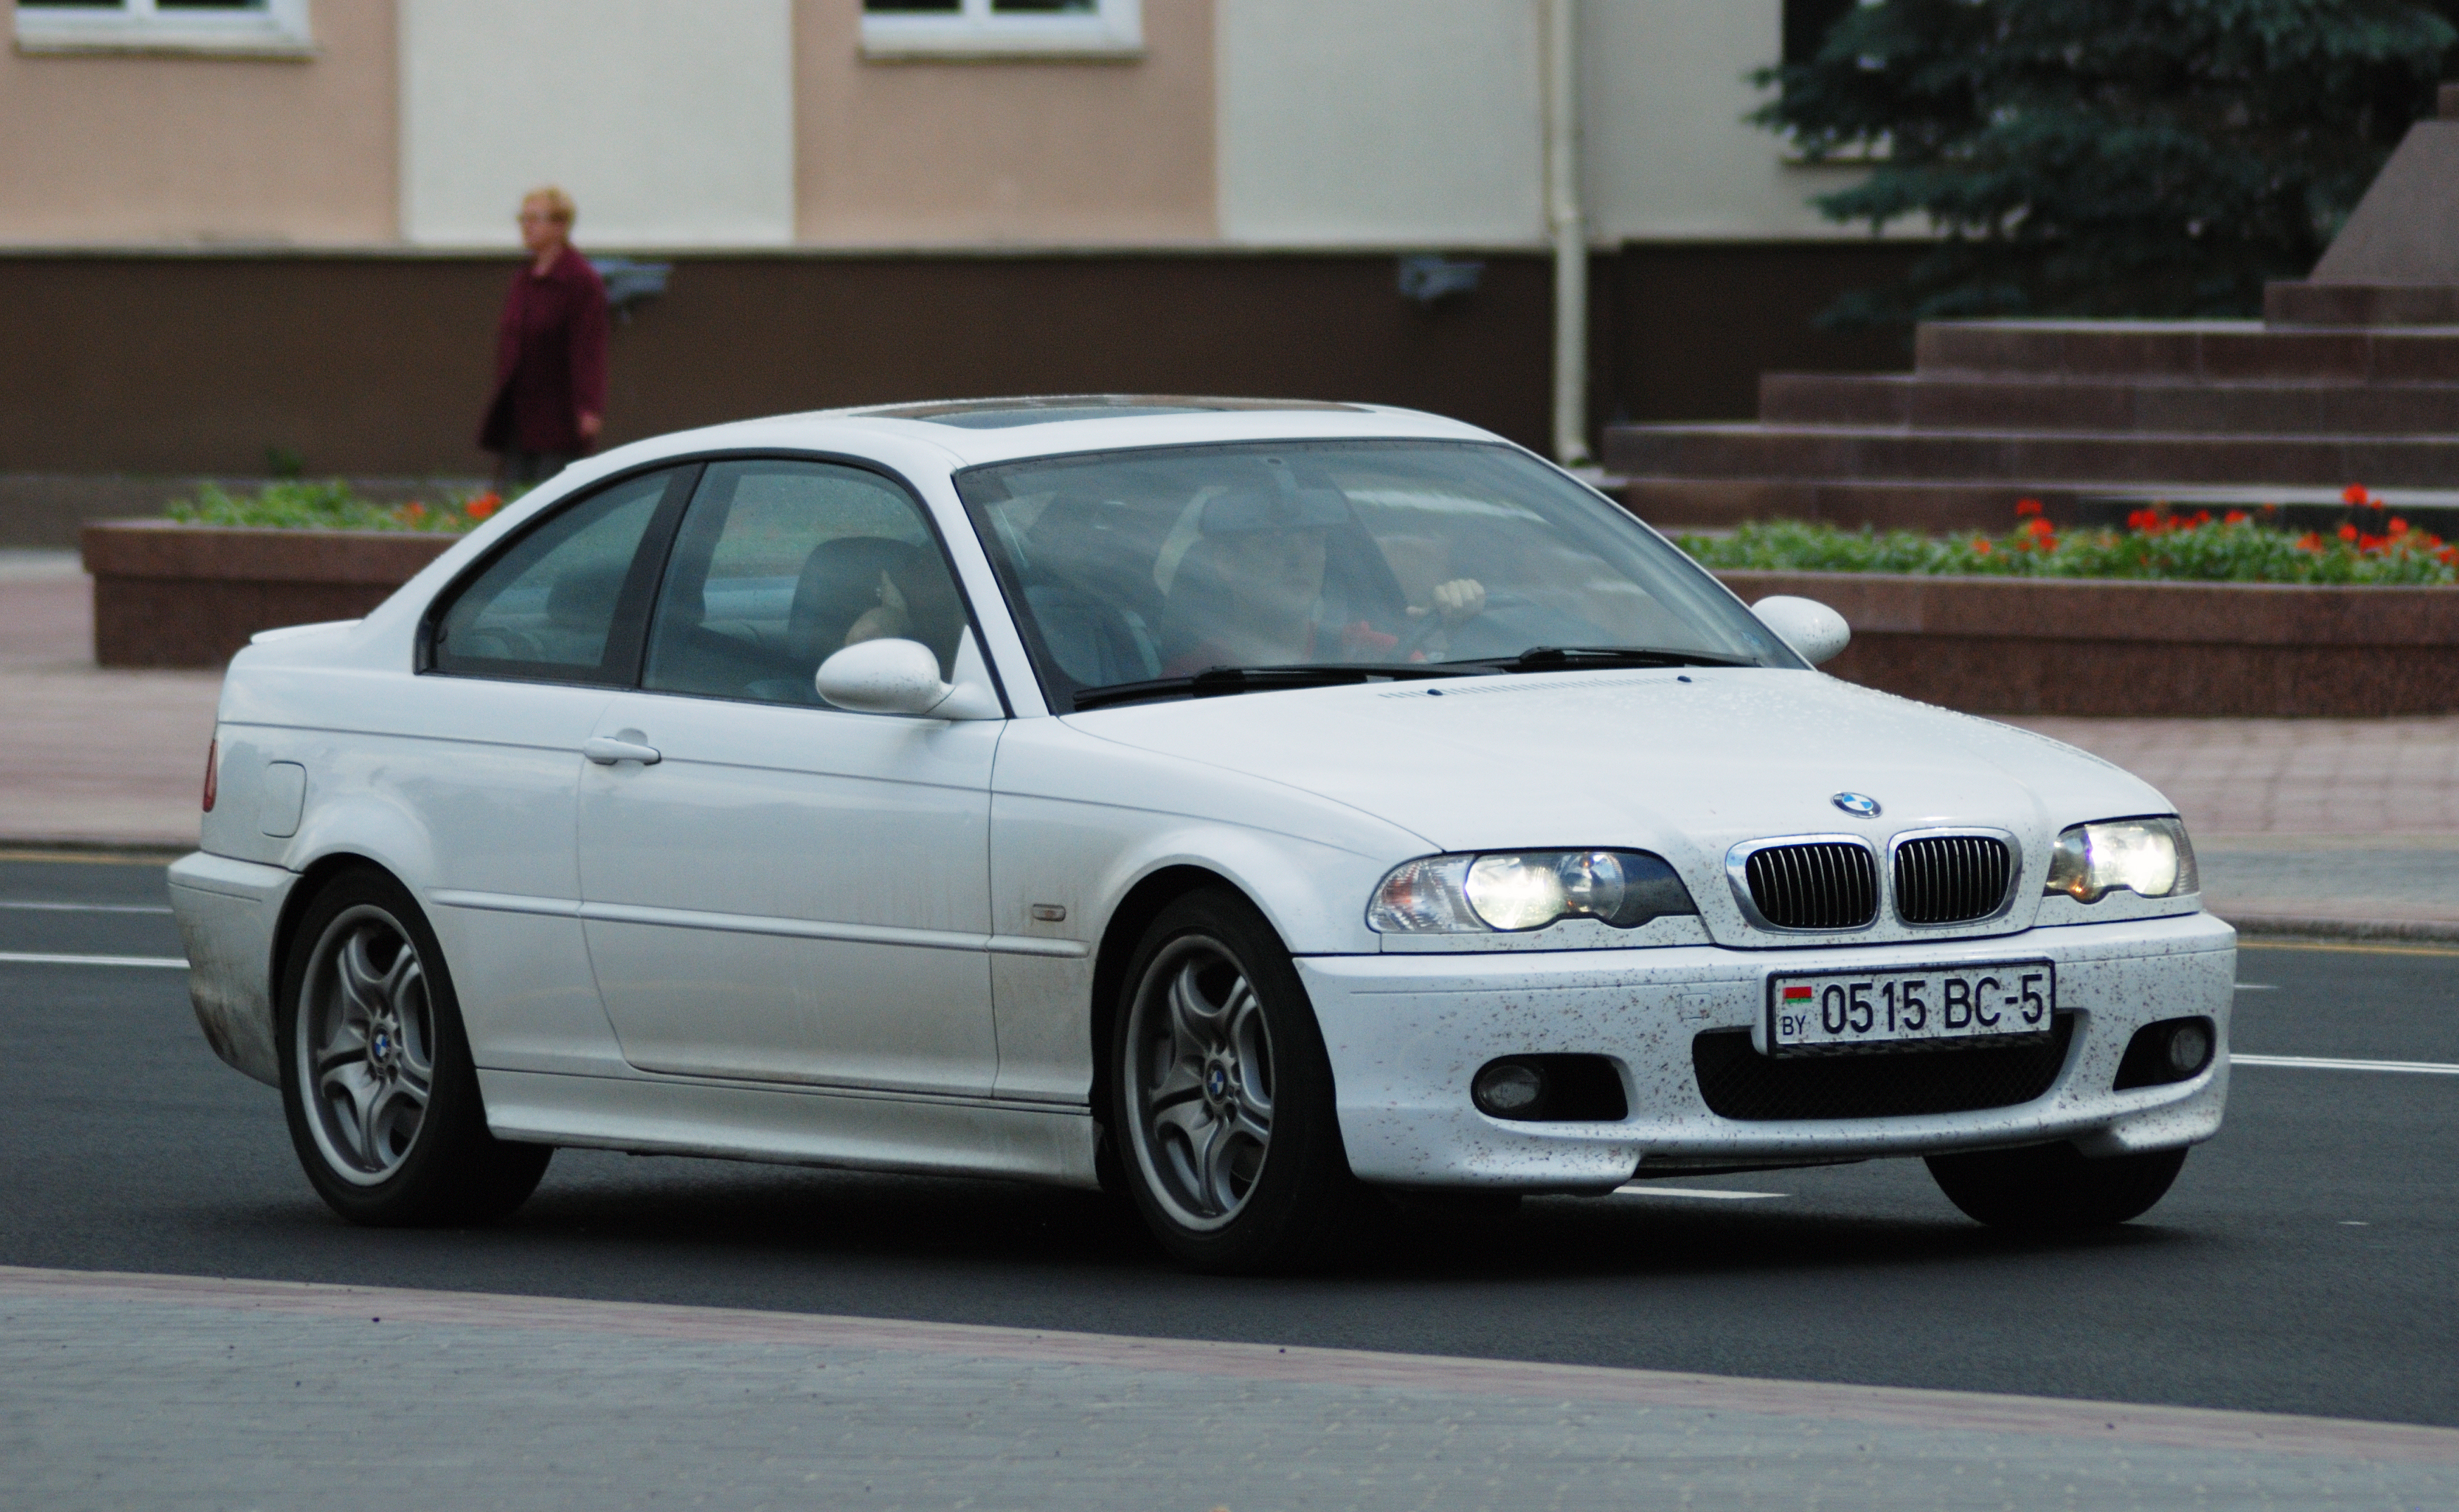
2203	516
2309	542
483	504
2353	496
2142	520
2372	544
2398	526
2347	532
2040	527
2234	517
412	511
2023	507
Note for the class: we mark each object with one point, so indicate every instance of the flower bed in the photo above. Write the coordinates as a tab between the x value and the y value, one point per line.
2156	545
2176	615
331	505
189	588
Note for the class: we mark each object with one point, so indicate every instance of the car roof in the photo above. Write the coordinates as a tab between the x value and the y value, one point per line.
974	432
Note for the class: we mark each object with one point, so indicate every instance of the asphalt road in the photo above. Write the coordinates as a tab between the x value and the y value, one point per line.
2303	1263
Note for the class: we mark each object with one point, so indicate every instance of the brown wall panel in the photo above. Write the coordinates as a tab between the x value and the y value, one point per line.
380	365
371	364
1686	328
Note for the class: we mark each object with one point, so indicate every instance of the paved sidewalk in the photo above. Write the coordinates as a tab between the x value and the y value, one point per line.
133	1391
2343	825
89	756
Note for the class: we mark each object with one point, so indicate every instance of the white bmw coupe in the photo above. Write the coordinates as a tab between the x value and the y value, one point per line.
1234	803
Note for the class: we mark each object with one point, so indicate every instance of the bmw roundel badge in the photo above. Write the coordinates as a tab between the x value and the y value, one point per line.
1860	805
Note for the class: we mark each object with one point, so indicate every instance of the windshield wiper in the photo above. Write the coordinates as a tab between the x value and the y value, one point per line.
1554	659
1215	682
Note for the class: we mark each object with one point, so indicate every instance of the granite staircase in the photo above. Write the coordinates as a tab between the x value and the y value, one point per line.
2092	418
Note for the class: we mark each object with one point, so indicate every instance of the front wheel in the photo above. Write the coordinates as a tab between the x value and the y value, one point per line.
2046	1187
377	1082
1223	1094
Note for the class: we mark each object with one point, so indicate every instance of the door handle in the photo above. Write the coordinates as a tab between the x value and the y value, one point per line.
607	752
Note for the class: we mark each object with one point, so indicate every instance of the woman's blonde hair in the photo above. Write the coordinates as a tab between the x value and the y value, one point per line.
558	205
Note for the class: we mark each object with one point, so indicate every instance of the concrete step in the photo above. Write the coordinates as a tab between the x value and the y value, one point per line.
2208	350
1939	401
1810	452
1679	503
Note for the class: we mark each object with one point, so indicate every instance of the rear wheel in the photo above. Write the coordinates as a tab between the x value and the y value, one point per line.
1222	1094
377	1078
2042	1186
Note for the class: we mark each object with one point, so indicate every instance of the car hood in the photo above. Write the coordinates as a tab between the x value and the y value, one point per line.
1685	764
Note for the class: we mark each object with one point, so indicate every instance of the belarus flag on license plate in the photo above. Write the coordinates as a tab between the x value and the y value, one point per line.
1797	995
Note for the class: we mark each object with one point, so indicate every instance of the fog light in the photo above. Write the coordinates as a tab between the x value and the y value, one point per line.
2189	1048
1507	1089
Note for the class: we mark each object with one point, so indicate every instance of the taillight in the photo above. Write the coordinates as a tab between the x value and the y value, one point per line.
213	749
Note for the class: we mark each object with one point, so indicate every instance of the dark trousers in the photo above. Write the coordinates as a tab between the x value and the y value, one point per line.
518	468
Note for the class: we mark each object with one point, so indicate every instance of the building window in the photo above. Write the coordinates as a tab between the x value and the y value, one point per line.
893	29
248	27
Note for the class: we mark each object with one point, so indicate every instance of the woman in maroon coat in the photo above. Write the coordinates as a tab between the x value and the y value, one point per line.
550	351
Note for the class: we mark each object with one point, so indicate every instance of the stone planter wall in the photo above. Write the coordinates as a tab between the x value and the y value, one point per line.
2004	645
167	595
170	594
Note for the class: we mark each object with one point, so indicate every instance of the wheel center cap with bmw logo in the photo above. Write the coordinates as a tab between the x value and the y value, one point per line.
1860	805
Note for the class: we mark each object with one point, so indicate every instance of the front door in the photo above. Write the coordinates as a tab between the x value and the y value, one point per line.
788	892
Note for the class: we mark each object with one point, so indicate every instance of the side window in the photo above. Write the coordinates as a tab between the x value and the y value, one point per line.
548	609
781	564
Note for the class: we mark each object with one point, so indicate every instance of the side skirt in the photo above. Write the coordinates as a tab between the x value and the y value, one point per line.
795	1127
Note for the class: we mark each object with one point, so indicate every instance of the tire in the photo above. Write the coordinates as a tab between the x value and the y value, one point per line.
2052	1187
377	1083
1221	1095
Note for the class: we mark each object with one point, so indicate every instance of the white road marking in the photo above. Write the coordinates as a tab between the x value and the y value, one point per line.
1643	1189
2256	987
34	959
83	908
2319	1064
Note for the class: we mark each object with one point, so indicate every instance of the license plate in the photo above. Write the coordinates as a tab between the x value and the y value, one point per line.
1831	1012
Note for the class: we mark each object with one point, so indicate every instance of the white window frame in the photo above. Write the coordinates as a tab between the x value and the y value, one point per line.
1115	30
270	29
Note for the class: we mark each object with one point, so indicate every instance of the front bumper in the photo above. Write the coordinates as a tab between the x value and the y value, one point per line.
1405	1035
227	912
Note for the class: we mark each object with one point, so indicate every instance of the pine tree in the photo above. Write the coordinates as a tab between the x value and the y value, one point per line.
2107	158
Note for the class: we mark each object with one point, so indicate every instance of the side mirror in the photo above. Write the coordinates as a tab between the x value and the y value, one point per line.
1805	625
902	677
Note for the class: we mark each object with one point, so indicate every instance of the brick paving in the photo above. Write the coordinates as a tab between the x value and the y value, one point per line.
120	1392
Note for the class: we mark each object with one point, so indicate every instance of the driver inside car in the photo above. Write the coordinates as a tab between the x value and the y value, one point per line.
1283	576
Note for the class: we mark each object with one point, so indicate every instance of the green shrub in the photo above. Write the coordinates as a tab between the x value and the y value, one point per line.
329	506
2155	545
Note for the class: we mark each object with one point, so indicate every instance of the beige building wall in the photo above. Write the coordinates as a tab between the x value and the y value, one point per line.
669	121
111	150
1382	123
1004	152
1668	155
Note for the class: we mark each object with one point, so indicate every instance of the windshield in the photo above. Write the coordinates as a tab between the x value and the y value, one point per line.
1416	558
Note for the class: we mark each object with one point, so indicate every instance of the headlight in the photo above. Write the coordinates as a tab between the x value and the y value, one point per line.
2149	856
1527	890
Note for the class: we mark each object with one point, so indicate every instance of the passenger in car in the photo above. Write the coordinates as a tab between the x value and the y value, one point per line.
1293	578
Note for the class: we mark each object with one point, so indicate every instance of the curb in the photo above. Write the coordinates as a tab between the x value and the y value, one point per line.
54	847
2283	926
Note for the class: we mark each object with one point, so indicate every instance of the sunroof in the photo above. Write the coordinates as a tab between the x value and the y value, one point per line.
999	415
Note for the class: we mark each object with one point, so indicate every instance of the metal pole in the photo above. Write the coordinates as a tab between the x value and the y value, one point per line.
1569	229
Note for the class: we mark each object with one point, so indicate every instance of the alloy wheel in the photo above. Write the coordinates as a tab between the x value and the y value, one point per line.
1199	1060
367	1045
